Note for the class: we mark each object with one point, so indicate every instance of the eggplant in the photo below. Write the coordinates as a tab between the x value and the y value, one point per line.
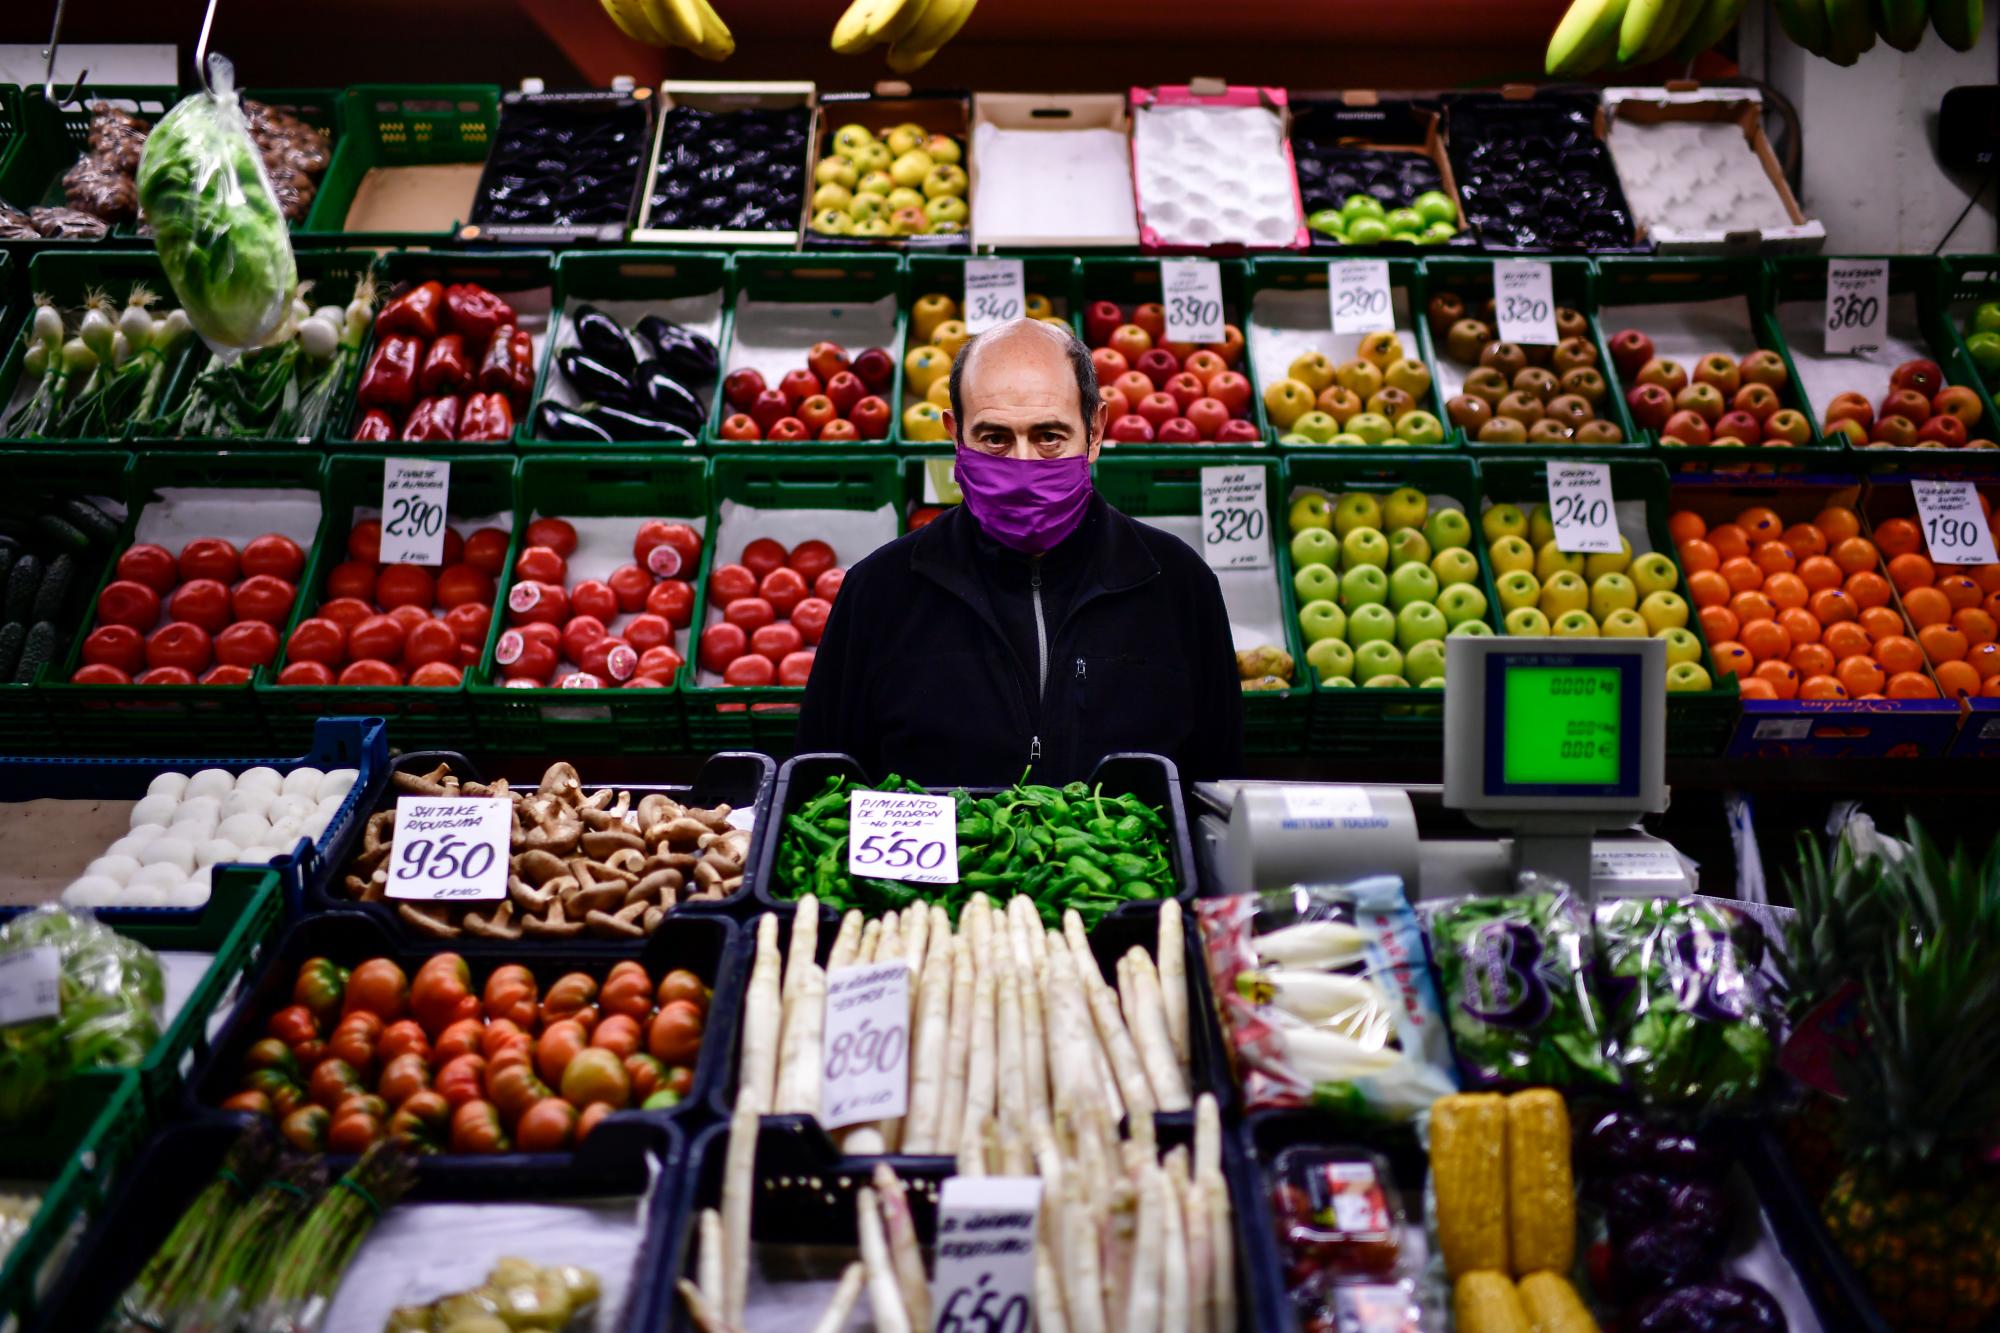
690	356
595	380
1732	1305
553	421
1662	1257
628	426
666	397
1703	1207
1634	1201
603	340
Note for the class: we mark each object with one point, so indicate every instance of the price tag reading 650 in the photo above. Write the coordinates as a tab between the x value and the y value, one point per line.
450	847
902	835
985	1279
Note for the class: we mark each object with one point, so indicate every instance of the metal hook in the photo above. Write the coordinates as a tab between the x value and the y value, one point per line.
202	59
49	68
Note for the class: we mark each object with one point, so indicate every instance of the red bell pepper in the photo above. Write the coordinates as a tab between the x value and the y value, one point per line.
509	364
415	312
488	418
475	312
391	377
445	368
433	419
376	425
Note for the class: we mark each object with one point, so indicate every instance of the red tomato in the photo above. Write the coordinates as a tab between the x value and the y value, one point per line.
579	634
151	565
306	673
409	617
810	616
811	559
783	589
378	638
165	675
470	621
544	633
609	658
528	602
468	656
645	682
202	602
662	662
126	602
796	667
630	584
827	585
486	551
555	534
721	644
521	659
432	641
539	564
776	641
462	585
749	612
226	673
593	597
264	597
405	585
672	601
649	631
179	644
679	538
762	556
750	669
275	554
211	558
580	680
438	675
454	547
119	646
364	541
99	673
728	582
247	643
369	671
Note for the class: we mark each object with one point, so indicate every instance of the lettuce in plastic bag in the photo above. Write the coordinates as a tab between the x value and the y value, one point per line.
111	990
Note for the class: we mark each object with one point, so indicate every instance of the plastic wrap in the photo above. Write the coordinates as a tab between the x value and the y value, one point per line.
1327	999
111	991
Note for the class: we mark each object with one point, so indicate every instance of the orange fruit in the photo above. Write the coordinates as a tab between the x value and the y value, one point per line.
1899	654
1911	570
1854	554
1985	659
1990	689
1686	526
1838	522
1927	606
1753	688
1759	523
1959	590
1861	675
1821	687
1783	678
1729	540
1943	643
1911	685
1732	658
1987	577
1743	574
1786	590
1718	623
1800	623
1845	639
1752	606
1957	679
1709	588
1774	557
1812	659
1805	539
1830	606
1879	621
1976	625
1819	571
1698	554
1868	588
1766	639
1898	536
1992	605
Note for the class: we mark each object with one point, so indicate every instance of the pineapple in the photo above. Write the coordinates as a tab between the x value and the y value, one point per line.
1914	1209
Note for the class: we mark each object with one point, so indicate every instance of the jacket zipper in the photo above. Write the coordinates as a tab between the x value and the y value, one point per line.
1041	653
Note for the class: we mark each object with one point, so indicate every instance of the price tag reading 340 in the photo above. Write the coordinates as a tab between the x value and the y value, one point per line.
865	1051
995	292
985	1280
1581	508
1234	531
1524	301
1191	291
1857	304
451	848
1956	530
1359	292
415	492
902	835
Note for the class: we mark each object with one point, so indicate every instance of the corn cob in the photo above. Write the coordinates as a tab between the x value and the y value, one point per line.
1486	1302
1553	1305
1469	1173
1541	1205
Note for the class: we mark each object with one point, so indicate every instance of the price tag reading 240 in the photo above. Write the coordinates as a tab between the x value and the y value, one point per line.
865	1050
1524	301
451	848
985	1280
1581	508
995	292
1191	290
415	492
902	835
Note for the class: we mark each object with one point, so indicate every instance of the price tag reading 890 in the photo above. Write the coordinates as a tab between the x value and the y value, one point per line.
865	1048
450	847
415	493
995	292
1191	290
902	835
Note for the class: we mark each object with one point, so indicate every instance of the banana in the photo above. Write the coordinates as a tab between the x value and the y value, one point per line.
1579	44
941	22
1804	22
679	19
633	20
1852	32
1901	22
716	41
1671	30
1957	22
865	21
1716	19
1639	25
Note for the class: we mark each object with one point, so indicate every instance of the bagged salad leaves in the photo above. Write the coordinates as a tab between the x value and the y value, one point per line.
109	992
217	226
1327	1000
1515	977
1684	1001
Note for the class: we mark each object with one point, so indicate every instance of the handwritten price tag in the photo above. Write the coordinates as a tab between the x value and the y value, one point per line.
1580	506
1857	304
1235	533
1955	530
995	292
866	1050
1191	290
1525	301
1358	290
902	835
451	848
414	496
985	1280
30	985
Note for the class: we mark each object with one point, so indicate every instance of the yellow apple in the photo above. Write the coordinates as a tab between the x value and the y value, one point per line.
1549	558
1503	521
1564	593
1511	553
1361	378
1541	528
1313	370
950	336
1596	565
911	167
1612	592
923	421
929	311
1682	646
925	365
1664	610
1624	625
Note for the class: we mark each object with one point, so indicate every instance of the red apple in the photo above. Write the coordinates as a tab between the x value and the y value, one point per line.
1955	400
741	426
1237	430
875	367
871	417
1850	407
1759	400
1204	365
798	385
1847	431
1894	429
1721	371
1115	403
1099	319
1209	416
1109	364
1667	374
1630	349
1232	391
742	388
1906	403
1130	341
845	389
769	406
1177	430
1230	349
788	430
1788	424
1158	408
1133	385
1159	366
1948	431
1131	429
1703	398
1650	405
816	411
1924	376
1763	366
1152	317
826	359
1739	426
839	429
1688	428
1185	388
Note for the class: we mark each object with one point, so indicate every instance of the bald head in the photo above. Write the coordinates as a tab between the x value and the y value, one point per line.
1026	388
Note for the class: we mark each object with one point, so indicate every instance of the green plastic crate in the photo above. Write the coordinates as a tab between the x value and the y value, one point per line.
1132	281
176	719
1274	721
1357	721
765	717
1965	283
1310	277
1621	282
51	138
418	717
1472	280
402	125
1699	722
836	280
1052	276
611	721
674	283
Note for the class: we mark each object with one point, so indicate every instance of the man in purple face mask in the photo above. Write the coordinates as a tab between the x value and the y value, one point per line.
1033	626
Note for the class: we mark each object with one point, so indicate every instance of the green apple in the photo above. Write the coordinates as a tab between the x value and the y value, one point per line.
911	167
1564	593
1366	586
1411	584
1984	347
1322	620
1388	680
946	178
1435	206
1316	426
1310	510
1367	231
836	171
904	197
1425	662
1378	657
1436	233
947	208
1653	572
1573	625
1476	629
1314	546
1407	546
1503	521
832	222
1347	439
832	196
1461	602
1612	592
1663	610
1551	560
903	138
1624	625
942	148
871	156
1404	221
1289	438
1511	553
1356	509
1682	645
1369	624
1339	683
1685	676
1361	206
1517	588
850	138
1364	546
1372	427
1420	427
1455	566
1527	622
867	204
1446	528
1331	658
1417	622
1405	507
877	226
877	183
1328	222
1314	583
1541	527
1606	563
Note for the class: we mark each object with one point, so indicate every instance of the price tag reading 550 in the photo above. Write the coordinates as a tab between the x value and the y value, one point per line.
902	835
451	847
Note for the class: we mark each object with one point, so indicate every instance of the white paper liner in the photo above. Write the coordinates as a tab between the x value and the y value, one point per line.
1286	324
236	515
1250	596
701	313
1211	175
602	545
1867	373
182	972
1074	184
1687	331
772	337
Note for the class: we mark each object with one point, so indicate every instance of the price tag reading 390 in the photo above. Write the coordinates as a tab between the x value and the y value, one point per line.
985	1280
1580	507
1191	290
1524	301
414	495
1234	531
865	1052
1955	528
995	292
1857	304
1359	292
451	848
902	835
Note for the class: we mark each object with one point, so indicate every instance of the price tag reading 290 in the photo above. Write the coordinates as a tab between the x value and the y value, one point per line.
451	847
415	492
902	835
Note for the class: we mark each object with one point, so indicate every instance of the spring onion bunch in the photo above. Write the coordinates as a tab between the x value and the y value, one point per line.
286	389
106	378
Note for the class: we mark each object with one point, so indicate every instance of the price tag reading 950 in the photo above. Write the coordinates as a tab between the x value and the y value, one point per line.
451	848
1857	304
1524	300
1955	528
1191	290
1359	292
995	292
902	835
415	492
985	1280
1235	534
865	1051
1580	507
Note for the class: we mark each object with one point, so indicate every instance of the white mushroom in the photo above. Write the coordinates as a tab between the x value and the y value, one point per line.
169	851
337	782
216	782
304	782
189	893
263	779
132	843
259	854
248	801
168	784
93	891
244	829
288	807
117	868
158	810
214	850
144	895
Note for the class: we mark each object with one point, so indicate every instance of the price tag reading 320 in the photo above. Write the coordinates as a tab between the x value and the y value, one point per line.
995	292
1580	507
865	1052
1359	292
451	848
1524	301
902	835
1191	290
1857	304
985	1280
1955	529
1234	531
414	495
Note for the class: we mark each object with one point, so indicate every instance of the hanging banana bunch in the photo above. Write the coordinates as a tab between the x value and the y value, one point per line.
689	24
1597	33
913	30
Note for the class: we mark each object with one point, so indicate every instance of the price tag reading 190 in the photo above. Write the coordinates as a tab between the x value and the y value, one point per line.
1857	304
415	492
902	835
1524	301
995	292
1191	290
451	848
1234	531
985	1279
1581	509
1956	530
865	1050
1359	292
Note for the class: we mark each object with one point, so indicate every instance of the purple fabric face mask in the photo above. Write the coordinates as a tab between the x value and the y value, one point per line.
1026	504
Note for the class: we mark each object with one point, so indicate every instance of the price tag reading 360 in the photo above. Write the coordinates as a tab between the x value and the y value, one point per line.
1956	530
415	492
1524	301
865	1050
451	848
1234	531
1581	509
1191	291
995	292
985	1280
902	835
1857	304
1358	290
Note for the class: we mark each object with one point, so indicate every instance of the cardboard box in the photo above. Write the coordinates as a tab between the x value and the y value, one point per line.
721	96
1052	113
1364	120
890	104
